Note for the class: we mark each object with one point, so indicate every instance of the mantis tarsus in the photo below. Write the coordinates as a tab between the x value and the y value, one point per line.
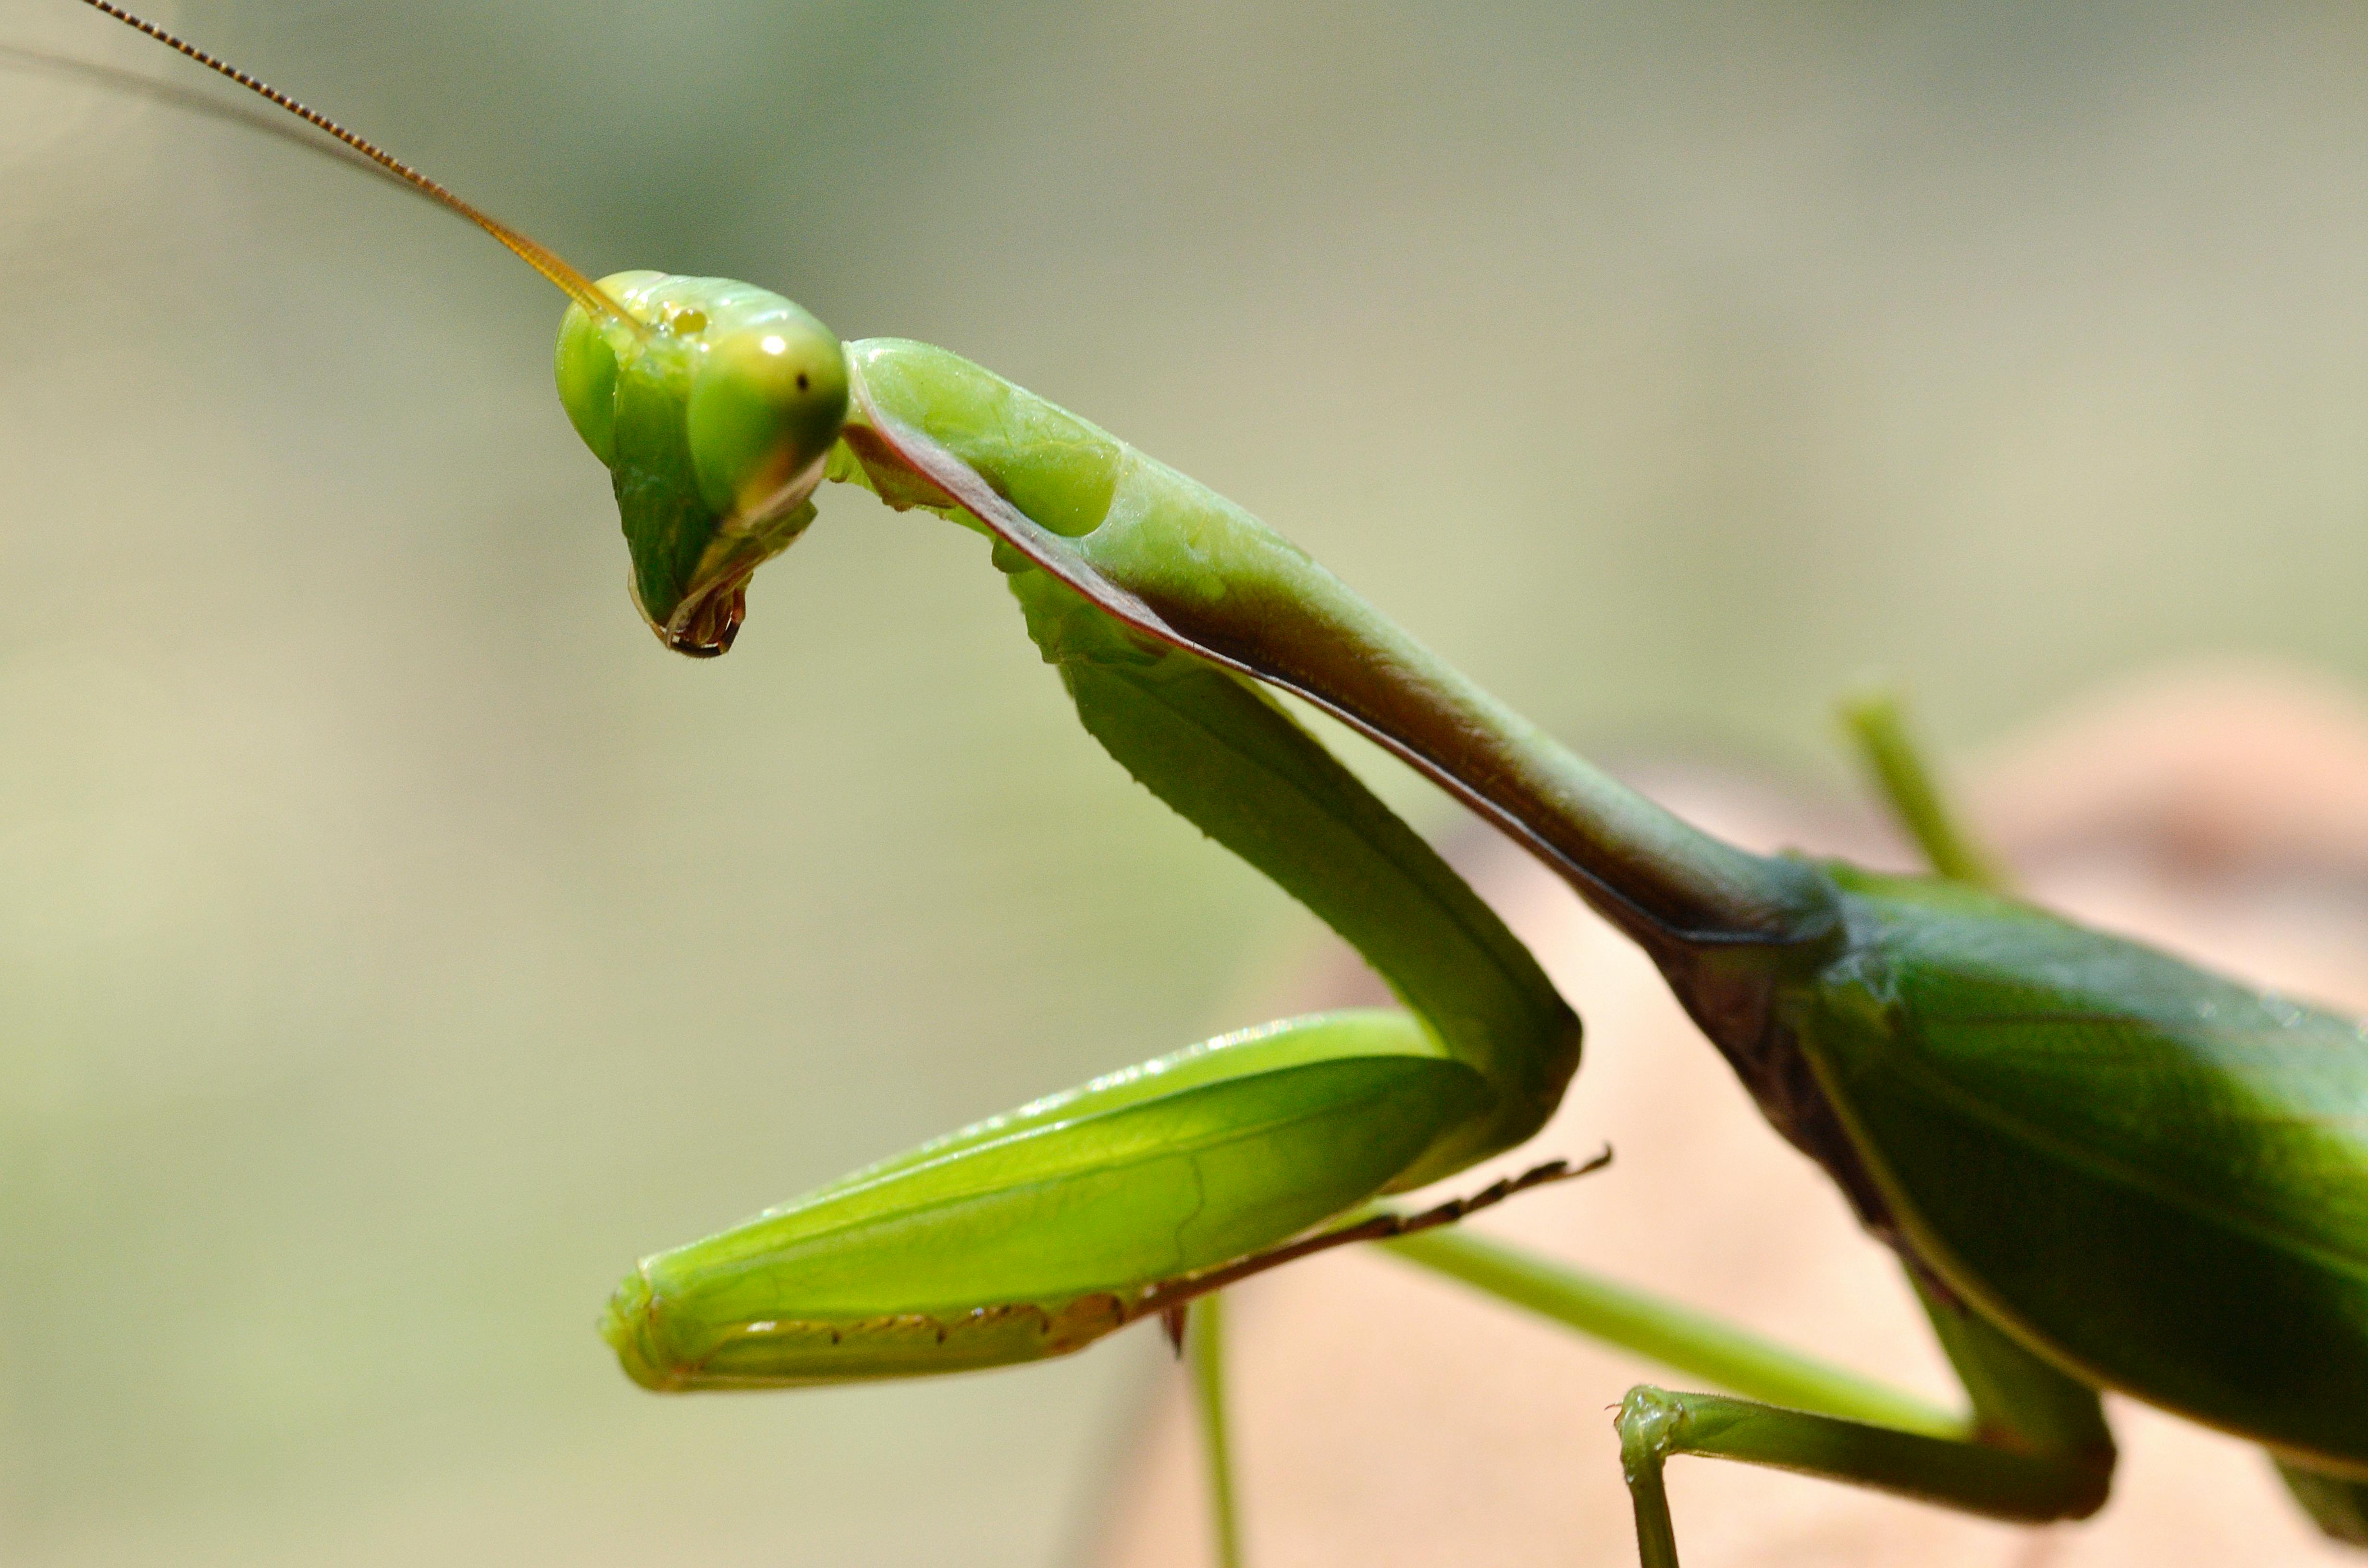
2100	1167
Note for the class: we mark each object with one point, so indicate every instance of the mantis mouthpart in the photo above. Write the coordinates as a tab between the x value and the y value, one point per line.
2100	1166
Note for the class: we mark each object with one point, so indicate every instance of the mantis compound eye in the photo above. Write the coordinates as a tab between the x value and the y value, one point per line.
765	402
588	362
713	409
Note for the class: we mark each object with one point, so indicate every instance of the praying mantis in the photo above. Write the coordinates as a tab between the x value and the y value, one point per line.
2099	1167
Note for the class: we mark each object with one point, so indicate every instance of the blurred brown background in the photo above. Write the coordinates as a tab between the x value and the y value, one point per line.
394	942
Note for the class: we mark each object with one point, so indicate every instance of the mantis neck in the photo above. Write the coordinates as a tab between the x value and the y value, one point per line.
1180	564
1661	879
1723	925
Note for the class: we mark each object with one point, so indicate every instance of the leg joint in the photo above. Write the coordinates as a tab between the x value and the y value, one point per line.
1651	1423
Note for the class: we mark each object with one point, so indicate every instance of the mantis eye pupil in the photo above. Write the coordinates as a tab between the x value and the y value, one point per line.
801	380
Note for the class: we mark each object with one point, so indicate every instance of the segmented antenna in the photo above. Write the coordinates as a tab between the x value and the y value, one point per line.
574	284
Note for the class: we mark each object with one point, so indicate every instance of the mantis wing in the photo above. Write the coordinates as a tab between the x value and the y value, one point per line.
2158	1174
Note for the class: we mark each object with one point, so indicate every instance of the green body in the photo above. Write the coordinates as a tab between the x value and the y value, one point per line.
2102	1167
2111	1169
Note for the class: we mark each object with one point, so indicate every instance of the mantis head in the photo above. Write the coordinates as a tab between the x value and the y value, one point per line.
711	402
713	405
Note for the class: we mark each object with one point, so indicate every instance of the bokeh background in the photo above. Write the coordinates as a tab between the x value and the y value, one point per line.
395	941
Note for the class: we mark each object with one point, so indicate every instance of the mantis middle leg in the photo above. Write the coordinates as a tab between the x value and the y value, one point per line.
2036	1449
2033	1449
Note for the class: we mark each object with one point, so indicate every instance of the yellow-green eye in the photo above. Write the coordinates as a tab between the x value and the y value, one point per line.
766	402
587	371
586	366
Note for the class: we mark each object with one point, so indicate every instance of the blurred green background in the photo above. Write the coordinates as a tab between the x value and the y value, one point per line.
395	941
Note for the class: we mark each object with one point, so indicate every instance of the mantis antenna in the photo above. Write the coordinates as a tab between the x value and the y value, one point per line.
574	284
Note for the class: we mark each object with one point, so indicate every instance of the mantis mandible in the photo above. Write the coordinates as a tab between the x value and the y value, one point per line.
2100	1167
